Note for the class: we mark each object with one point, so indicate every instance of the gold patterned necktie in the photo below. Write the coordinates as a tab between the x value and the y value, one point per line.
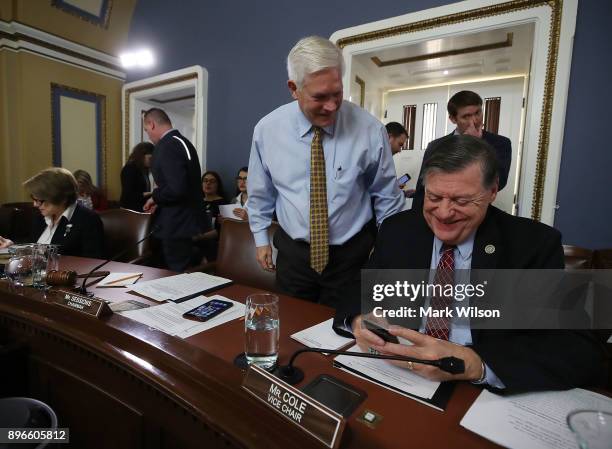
319	228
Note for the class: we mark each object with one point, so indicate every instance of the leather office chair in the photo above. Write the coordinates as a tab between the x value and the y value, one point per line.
577	258
122	229
236	257
6	221
602	258
26	413
23	216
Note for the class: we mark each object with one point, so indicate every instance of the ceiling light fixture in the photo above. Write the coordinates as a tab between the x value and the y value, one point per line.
445	72
137	59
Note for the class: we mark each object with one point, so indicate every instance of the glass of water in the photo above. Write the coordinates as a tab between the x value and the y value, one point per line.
19	267
261	327
593	428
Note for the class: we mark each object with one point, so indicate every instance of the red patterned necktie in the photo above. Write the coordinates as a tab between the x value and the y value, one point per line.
439	327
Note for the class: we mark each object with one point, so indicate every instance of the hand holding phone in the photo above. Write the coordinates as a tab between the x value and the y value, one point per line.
380	332
208	310
403	179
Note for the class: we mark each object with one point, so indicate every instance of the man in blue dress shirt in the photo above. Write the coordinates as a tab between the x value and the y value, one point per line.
359	178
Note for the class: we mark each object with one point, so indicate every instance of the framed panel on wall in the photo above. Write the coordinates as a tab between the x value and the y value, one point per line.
79	130
93	11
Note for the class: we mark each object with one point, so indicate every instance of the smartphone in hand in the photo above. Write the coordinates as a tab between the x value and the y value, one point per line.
403	179
380	332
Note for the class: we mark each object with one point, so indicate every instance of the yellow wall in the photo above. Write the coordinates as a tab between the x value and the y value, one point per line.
42	15
26	138
25	91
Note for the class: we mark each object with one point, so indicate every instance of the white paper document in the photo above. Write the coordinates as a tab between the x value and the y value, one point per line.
531	420
173	288
321	336
384	372
119	279
227	210
168	317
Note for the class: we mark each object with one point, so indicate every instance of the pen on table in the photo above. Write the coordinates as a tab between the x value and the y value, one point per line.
137	275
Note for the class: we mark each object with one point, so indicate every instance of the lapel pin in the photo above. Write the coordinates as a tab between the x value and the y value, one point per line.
490	249
68	229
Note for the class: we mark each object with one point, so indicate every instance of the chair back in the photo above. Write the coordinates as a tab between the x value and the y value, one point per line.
122	229
577	258
23	217
603	259
236	259
7	215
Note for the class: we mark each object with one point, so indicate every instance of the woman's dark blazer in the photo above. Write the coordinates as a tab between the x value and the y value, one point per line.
82	236
133	185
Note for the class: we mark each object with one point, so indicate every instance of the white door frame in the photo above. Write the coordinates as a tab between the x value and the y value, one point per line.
196	76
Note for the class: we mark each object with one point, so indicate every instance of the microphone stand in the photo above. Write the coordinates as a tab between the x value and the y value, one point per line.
83	289
293	375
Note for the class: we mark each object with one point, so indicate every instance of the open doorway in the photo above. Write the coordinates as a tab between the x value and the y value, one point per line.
412	83
538	163
182	94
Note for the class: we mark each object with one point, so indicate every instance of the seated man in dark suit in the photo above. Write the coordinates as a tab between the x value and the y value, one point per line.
465	111
458	228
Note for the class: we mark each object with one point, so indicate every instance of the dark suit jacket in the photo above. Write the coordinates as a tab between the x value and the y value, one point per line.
503	151
178	194
133	185
84	237
522	359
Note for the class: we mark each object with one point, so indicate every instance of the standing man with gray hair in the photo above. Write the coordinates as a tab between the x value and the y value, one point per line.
320	163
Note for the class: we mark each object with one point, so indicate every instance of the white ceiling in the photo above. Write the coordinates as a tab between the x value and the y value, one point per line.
488	63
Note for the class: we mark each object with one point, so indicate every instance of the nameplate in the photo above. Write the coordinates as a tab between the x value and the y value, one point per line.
89	306
309	415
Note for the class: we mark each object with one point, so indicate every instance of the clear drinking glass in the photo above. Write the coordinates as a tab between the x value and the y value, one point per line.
261	327
593	428
45	258
39	265
19	267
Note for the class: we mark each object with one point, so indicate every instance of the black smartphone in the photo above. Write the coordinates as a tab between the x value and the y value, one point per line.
404	179
208	310
380	331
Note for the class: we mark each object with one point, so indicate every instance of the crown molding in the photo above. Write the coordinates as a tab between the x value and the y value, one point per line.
16	36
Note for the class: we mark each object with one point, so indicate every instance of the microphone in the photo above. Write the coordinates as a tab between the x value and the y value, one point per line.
293	375
83	289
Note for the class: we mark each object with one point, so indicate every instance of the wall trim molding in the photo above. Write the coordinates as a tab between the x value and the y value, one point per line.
18	37
99	100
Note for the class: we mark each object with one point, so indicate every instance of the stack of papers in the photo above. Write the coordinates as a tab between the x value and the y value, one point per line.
320	336
227	210
531	420
179	287
168	318
400	380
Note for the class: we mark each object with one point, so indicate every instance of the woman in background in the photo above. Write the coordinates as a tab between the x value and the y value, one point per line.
62	221
90	196
214	196
136	179
243	196
208	240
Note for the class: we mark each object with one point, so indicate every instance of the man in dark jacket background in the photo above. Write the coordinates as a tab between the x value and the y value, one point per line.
177	200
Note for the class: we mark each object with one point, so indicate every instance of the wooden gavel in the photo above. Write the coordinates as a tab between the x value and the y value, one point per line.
69	277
